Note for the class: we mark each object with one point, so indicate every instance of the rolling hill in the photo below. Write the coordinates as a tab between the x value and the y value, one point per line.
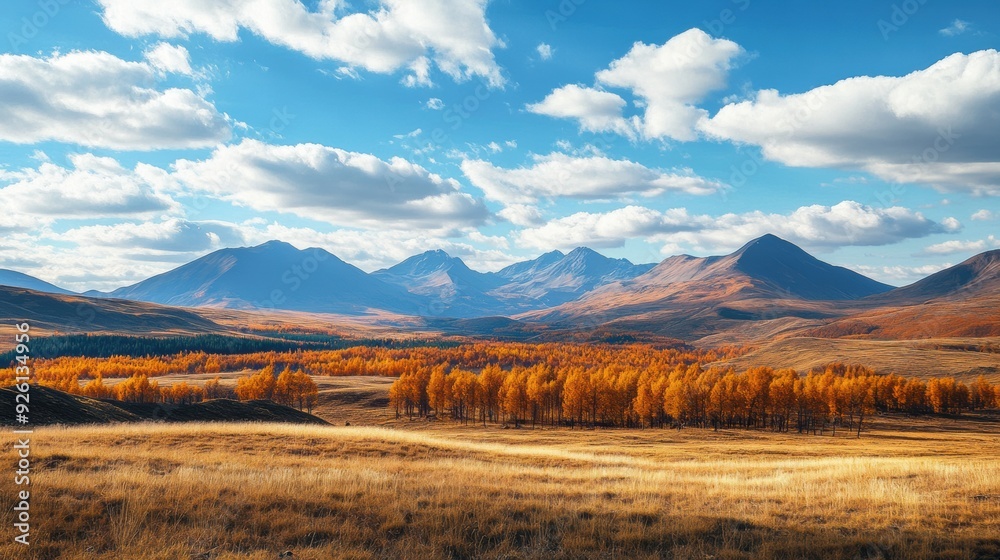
960	301
50	406
70	314
14	279
767	280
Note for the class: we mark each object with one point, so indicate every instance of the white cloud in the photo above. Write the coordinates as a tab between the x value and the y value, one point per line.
596	110
899	275
957	27
671	78
610	229
957	246
171	235
372	250
119	255
96	99
816	226
936	126
522	215
397	35
333	185
596	177
435	104
171	59
668	80
544	51
92	187
497	241
984	215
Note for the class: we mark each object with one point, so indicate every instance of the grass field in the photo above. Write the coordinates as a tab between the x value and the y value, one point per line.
910	358
928	488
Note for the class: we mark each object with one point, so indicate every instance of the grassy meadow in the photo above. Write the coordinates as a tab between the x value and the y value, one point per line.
428	490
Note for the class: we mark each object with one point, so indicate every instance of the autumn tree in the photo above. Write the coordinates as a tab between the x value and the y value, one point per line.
259	386
139	389
96	389
296	388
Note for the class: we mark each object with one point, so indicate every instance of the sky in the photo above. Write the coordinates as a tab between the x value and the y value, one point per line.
137	135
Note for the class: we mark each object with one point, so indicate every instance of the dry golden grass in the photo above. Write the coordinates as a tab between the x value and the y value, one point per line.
152	491
909	358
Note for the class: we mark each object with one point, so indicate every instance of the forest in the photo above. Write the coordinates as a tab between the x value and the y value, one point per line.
838	396
108	345
515	384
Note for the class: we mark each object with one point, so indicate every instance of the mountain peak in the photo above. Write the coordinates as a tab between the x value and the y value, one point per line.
427	263
274	244
768	241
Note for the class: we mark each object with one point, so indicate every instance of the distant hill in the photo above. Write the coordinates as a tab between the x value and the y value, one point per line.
274	275
554	278
455	290
768	289
692	297
50	406
15	279
979	275
452	288
81	314
960	301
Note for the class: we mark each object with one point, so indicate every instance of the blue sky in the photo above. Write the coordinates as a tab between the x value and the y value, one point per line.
138	135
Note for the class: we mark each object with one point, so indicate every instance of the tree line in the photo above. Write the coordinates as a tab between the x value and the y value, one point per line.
290	387
837	396
365	359
113	345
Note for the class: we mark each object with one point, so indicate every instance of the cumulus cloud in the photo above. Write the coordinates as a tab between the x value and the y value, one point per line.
816	226
667	80
397	35
435	104
596	110
609	229
329	184
596	177
958	246
936	126
170	235
544	51
672	77
984	215
899	275
522	215
91	187
171	59
96	99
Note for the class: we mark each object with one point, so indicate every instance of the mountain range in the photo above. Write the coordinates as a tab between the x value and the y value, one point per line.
766	289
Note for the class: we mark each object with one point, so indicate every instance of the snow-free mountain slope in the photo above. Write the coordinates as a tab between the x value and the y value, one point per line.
16	279
274	275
